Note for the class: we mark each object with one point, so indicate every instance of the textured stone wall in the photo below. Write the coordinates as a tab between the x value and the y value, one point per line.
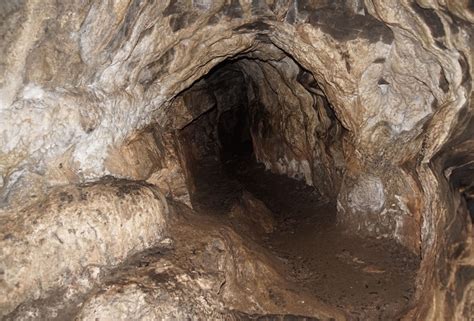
80	79
293	126
66	241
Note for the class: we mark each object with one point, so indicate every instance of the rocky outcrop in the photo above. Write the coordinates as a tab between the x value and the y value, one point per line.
65	242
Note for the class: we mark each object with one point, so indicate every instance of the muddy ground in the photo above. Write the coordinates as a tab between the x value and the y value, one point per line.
369	279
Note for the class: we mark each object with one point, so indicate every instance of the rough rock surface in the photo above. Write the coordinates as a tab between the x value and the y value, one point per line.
63	242
372	98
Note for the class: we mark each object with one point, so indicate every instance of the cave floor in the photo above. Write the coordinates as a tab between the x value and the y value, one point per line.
369	279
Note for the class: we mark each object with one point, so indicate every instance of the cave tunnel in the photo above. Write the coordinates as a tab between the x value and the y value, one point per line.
236	160
258	122
264	106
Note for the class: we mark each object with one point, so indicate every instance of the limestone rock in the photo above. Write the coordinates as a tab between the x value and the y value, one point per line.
253	214
50	245
369	101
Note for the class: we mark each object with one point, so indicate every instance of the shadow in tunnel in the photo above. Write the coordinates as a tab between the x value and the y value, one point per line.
243	153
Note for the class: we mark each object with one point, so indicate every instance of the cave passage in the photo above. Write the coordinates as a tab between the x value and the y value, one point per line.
238	151
236	160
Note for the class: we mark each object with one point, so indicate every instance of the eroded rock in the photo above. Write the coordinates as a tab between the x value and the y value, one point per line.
65	241
369	101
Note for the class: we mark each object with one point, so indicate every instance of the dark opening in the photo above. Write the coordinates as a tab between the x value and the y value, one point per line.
234	133
233	123
462	181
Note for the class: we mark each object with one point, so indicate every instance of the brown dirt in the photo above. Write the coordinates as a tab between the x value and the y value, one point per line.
369	279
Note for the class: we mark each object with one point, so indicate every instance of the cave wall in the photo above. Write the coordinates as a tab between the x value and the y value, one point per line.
292	131
81	79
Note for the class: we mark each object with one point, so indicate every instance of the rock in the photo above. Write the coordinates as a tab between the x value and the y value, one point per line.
253	214
51	245
368	101
209	273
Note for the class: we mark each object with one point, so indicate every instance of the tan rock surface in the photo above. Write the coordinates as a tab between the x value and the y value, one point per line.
370	101
65	241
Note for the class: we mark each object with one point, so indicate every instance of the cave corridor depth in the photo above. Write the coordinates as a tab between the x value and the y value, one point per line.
236	160
234	146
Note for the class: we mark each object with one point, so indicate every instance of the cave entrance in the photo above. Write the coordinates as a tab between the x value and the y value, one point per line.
260	127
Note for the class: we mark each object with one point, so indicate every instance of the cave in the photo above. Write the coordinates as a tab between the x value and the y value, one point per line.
236	160
262	121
